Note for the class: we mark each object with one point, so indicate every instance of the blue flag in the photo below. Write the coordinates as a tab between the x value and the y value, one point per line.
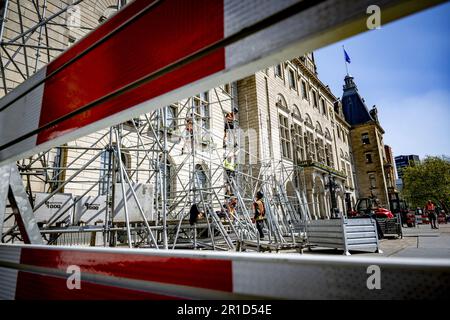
347	57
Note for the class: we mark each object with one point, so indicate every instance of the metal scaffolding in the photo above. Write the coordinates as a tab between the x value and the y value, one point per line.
120	162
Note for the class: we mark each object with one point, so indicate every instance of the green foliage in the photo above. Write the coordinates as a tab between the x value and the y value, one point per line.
429	180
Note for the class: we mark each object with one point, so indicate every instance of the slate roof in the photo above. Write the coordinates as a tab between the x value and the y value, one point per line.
353	106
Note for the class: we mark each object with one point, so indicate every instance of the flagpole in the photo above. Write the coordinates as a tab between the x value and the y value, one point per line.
345	61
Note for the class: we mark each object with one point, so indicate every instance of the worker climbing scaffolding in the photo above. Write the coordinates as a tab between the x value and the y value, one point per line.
230	172
229	129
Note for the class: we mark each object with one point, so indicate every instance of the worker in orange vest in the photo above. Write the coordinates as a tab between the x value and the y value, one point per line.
430	209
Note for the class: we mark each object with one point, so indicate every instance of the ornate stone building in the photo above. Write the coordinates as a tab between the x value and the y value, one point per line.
299	124
374	173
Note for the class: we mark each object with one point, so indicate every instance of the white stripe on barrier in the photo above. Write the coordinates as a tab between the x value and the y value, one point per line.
8	277
8	283
24	117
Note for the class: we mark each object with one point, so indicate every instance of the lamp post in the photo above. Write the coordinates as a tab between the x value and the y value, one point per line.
333	187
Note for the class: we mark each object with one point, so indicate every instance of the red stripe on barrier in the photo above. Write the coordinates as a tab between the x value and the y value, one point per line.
201	273
32	286
142	48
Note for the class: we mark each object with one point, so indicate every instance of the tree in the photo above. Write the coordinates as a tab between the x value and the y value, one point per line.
428	180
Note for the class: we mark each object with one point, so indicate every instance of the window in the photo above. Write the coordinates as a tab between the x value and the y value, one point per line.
281	102
133	124
201	105
323	108
304	91
315	104
368	158
168	177
227	88
349	176
298	142
292	79
308	121
108	13
372	180
104	172
279	70
296	112
309	145
105	159
329	155
365	138
339	132
200	177
71	40
59	171
125	157
201	182
285	137
172	115
320	150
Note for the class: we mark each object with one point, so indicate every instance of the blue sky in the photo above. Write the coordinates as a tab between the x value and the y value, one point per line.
404	69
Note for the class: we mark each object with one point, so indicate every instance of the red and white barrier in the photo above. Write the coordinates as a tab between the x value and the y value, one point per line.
42	272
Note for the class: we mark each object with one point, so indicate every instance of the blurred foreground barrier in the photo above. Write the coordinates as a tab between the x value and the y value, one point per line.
42	272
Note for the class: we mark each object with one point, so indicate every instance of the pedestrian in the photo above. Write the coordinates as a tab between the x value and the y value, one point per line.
260	213
430	209
194	214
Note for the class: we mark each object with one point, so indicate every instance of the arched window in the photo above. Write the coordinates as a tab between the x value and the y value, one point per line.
308	121
327	134
201	180
168	173
319	128
281	102
296	112
107	13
